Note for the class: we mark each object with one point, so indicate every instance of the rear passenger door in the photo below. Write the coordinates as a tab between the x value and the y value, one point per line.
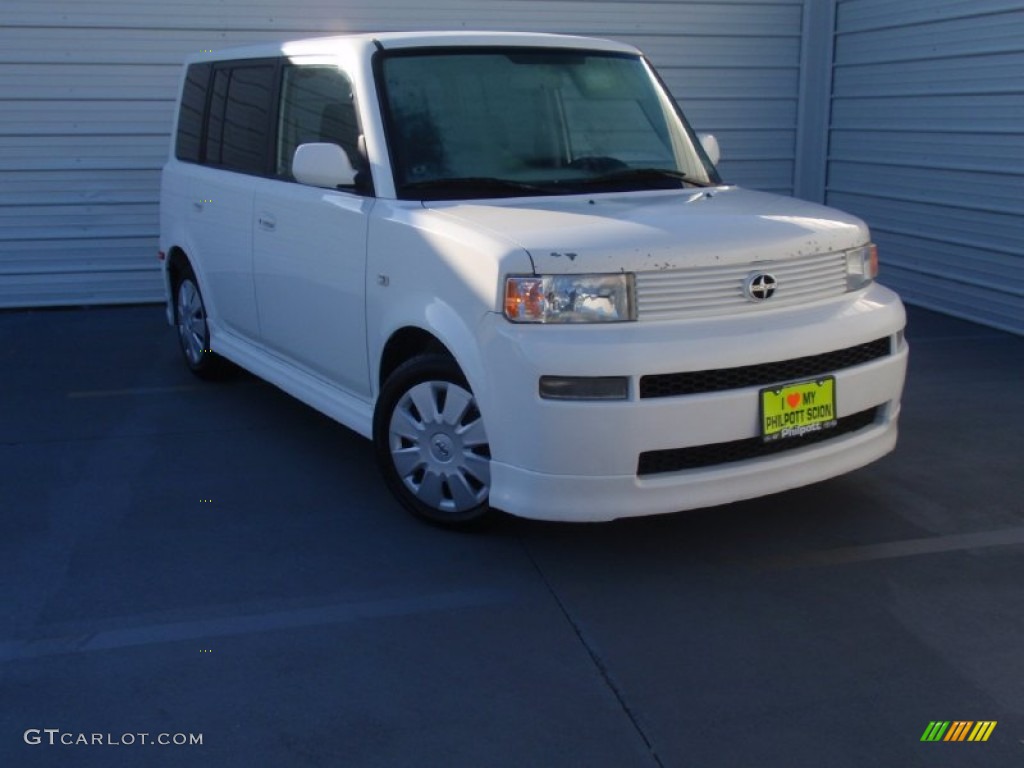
236	146
310	243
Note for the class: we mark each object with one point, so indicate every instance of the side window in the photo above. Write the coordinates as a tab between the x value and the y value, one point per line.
238	127
317	105
247	119
190	115
215	122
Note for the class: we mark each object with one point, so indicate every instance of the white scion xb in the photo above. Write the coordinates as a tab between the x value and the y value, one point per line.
509	260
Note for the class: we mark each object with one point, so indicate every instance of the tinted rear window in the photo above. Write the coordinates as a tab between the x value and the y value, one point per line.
238	124
190	116
246	137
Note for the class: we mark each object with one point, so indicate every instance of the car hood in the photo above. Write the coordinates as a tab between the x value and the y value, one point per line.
646	231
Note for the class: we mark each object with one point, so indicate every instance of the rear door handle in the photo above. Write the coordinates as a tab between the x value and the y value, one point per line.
267	222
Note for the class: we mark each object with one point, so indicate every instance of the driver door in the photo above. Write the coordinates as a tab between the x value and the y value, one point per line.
309	244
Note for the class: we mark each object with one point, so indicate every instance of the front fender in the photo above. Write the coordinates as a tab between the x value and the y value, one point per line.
459	335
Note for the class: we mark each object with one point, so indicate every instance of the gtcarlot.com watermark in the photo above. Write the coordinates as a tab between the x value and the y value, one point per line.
54	737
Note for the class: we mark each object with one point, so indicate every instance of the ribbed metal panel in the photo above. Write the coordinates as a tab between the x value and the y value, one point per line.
703	291
927	145
87	91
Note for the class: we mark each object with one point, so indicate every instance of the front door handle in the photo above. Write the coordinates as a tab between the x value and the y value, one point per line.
267	222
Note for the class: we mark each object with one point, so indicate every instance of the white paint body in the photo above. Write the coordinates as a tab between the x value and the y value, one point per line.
318	281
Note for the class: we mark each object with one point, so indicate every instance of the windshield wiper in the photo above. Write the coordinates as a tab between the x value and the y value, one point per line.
470	186
629	175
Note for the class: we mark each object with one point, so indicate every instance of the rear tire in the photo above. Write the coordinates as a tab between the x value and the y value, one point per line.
431	443
193	329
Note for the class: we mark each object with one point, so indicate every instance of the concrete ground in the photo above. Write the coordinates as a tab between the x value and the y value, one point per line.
217	560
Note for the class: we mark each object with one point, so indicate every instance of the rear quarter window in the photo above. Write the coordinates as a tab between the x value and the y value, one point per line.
190	115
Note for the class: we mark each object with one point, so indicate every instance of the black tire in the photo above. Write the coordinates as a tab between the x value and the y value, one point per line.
193	330
431	443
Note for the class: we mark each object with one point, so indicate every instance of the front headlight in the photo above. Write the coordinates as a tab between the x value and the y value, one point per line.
570	298
861	266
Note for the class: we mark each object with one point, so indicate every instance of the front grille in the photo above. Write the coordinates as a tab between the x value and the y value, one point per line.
677	294
695	382
678	459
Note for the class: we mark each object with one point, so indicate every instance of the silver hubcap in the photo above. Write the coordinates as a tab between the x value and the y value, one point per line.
439	446
191	322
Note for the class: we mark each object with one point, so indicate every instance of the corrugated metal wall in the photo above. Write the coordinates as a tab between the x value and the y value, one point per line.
927	145
87	90
926	139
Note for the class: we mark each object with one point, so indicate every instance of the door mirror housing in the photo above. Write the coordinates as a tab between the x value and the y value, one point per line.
710	144
323	165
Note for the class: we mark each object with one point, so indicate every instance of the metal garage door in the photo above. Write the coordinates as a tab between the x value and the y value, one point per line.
87	88
927	145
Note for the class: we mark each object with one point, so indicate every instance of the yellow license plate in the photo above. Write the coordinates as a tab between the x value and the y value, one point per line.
796	410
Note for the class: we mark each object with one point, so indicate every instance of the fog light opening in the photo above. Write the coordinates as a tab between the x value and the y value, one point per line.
584	387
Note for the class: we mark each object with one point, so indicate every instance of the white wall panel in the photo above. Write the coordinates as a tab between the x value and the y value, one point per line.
87	90
923	120
927	144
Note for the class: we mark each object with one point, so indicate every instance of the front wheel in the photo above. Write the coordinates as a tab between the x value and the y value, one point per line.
431	443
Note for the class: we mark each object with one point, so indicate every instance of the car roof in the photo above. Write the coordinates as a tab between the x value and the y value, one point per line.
407	40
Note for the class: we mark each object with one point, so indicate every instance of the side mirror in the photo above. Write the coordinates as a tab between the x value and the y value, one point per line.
323	165
710	144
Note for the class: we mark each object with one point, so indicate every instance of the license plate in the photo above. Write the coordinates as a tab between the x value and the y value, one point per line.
796	410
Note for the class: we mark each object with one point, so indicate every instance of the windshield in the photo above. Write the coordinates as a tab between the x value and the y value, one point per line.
497	123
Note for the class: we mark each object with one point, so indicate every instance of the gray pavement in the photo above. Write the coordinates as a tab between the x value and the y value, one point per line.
219	560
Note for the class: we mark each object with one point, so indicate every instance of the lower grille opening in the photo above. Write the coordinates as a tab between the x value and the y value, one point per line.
678	459
764	374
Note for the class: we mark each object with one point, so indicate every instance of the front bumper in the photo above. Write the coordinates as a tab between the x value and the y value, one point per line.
561	460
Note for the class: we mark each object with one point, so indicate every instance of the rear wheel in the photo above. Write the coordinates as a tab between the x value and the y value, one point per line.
193	329
431	442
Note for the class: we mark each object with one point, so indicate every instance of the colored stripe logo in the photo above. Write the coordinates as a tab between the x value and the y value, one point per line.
959	730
